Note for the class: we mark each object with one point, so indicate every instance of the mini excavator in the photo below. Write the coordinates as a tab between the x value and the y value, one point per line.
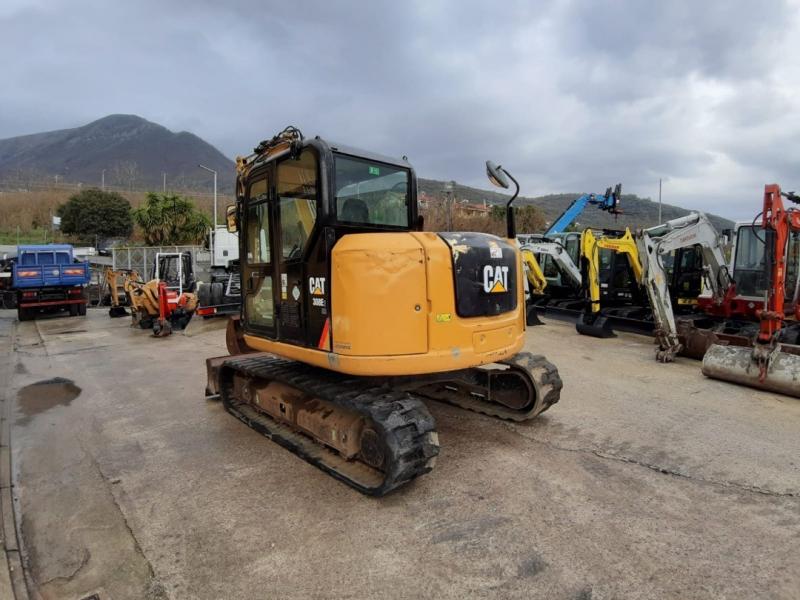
353	316
769	364
593	322
655	244
162	304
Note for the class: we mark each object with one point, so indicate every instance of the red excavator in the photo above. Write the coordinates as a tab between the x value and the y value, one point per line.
770	363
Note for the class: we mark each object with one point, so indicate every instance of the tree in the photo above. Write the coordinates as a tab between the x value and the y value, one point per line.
170	220
93	212
529	219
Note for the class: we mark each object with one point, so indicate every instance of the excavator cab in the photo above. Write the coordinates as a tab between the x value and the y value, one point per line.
352	315
294	209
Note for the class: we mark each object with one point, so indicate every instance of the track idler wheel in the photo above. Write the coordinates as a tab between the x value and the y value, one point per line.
372	450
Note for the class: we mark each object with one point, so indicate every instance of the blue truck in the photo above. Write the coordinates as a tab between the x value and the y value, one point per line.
49	278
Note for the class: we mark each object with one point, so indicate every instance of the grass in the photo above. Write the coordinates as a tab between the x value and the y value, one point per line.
31	236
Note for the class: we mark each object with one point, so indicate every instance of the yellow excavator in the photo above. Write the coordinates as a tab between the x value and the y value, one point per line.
353	316
592	322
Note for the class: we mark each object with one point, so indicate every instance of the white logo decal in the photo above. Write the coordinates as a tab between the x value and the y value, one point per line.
316	286
495	279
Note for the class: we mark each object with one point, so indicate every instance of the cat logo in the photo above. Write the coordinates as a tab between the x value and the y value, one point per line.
495	279
316	286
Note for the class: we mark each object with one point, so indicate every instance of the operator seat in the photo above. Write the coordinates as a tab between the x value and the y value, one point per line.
355	210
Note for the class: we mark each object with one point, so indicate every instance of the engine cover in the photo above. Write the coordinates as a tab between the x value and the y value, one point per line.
485	273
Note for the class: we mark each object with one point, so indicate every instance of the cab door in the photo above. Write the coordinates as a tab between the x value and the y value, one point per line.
296	208
257	260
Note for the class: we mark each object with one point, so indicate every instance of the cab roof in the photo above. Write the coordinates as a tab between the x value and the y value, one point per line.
365	154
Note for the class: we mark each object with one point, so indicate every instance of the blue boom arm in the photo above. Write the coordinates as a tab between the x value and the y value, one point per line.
608	202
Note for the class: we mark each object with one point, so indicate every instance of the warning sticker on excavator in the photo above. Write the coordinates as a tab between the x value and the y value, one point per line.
495	279
495	251
444	317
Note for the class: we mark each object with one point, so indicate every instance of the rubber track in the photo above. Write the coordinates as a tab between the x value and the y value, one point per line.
543	376
407	428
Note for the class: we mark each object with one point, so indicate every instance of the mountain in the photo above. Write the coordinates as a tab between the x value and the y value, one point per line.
133	152
636	212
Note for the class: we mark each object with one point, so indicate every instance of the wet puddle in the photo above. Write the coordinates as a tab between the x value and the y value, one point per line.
44	395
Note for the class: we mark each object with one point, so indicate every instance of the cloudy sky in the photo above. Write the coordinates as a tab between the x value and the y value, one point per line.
569	95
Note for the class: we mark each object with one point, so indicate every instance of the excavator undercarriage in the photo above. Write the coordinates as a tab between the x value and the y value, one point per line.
374	433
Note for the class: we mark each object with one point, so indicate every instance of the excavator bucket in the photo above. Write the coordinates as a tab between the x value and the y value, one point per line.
598	327
737	365
117	311
162	328
532	317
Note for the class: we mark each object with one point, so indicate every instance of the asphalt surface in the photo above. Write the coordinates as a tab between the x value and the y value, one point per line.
645	481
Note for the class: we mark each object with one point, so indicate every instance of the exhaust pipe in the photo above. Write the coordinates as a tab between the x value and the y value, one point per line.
736	364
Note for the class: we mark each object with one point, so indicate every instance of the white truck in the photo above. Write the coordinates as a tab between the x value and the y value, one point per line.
222	294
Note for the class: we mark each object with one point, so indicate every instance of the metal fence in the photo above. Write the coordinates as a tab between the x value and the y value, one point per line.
142	258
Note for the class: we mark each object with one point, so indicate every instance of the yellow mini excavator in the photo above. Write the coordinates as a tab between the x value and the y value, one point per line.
352	315
593	322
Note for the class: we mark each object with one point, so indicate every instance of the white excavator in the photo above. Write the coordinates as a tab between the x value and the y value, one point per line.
559	255
658	242
535	279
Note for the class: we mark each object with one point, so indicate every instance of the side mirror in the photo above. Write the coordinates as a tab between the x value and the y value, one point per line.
499	177
496	175
230	219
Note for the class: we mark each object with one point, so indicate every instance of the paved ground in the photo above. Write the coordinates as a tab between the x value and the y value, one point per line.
645	481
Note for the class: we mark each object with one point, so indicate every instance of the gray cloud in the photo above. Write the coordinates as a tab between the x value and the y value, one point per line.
569	95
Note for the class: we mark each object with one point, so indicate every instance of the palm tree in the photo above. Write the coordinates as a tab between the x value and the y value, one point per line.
170	220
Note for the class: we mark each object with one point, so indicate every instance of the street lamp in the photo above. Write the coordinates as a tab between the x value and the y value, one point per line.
213	229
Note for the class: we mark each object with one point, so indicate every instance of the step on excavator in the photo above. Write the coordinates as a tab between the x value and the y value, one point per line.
770	364
353	316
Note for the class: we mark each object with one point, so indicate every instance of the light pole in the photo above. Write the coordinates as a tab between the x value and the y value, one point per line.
103	180
214	228
659	202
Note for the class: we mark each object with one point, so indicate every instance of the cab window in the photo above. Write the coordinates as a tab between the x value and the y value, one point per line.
371	193
258	223
297	202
